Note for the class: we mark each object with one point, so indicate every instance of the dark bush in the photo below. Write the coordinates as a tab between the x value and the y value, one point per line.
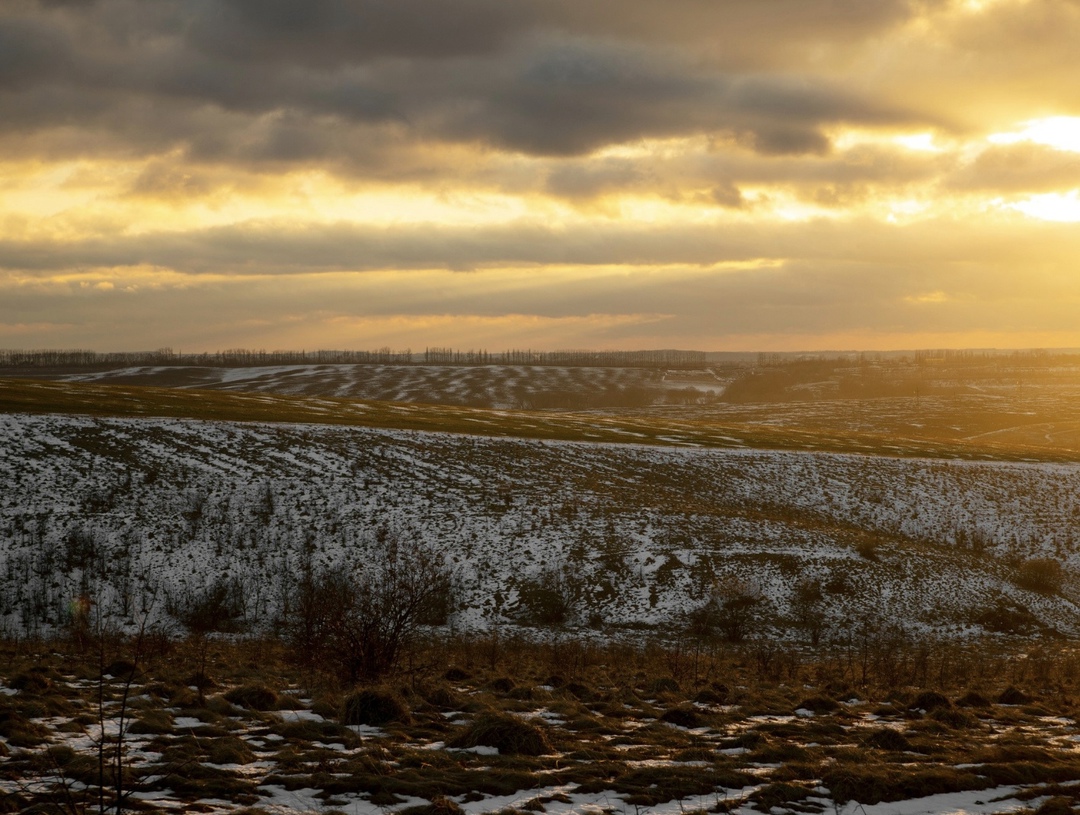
218	607
374	707
357	623
973	699
1042	574
1007	616
729	613
548	599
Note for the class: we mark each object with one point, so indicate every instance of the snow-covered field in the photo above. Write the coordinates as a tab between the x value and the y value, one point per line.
139	512
493	386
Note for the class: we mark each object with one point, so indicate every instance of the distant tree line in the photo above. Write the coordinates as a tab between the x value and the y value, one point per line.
229	358
570	359
242	357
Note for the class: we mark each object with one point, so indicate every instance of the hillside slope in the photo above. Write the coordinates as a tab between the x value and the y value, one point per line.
127	510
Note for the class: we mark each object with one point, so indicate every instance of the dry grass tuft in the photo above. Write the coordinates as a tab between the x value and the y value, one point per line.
374	707
508	734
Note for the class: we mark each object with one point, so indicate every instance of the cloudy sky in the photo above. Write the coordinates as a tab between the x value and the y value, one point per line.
707	174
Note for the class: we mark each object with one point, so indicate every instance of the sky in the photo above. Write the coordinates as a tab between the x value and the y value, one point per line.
717	175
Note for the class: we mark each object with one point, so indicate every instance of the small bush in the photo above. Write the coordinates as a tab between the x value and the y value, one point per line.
868	550
1007	616
374	707
508	734
549	598
1042	574
253	697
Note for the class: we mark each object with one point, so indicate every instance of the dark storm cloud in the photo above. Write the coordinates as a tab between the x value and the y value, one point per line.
331	32
539	77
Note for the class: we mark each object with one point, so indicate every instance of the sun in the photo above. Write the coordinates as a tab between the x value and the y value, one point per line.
1059	132
1063	207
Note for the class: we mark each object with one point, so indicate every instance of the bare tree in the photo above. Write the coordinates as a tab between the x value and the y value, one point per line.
358	622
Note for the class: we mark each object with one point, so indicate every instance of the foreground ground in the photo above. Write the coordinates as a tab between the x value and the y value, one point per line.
501	725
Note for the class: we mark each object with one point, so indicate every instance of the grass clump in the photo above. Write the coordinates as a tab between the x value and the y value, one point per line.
779	794
21	732
930	701
438	806
253	697
818	704
681	717
888	739
973	699
374	707
230	750
508	734
1013	696
872	784
152	722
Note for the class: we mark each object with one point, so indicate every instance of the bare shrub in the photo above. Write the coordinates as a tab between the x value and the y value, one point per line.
218	607
808	608
356	623
1041	574
728	613
548	599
